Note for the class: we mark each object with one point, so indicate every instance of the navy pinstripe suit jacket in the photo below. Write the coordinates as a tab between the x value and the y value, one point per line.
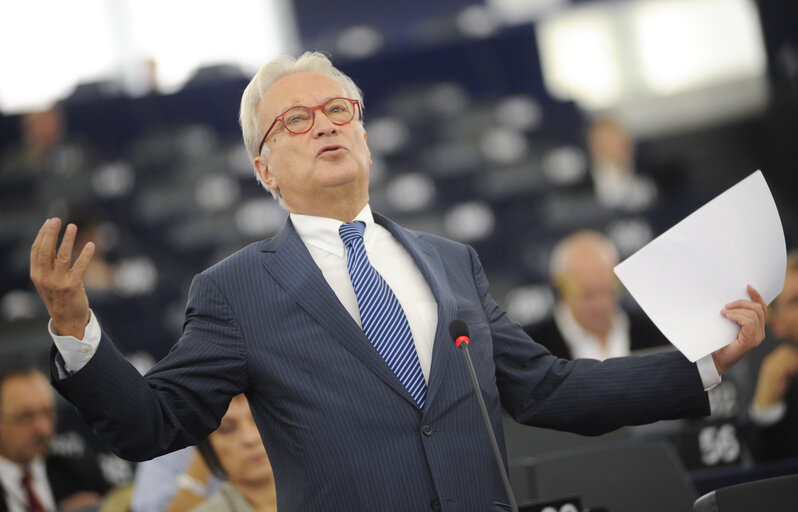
340	430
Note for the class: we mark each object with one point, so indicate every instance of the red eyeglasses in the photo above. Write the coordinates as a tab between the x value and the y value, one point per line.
298	120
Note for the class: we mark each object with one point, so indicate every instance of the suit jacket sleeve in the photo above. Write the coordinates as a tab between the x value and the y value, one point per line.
585	396
181	400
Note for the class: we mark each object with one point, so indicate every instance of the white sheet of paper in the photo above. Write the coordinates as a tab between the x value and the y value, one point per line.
685	277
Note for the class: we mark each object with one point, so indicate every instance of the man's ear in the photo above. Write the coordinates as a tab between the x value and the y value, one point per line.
262	168
366	139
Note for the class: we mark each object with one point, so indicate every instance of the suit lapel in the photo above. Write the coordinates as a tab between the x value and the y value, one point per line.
428	260
288	261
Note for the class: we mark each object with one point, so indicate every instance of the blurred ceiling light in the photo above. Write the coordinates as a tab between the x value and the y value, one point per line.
258	218
359	41
477	21
580	57
447	98
522	11
410	193
452	158
504	145
565	165
48	46
630	234
238	161
387	135
19	304
113	179
530	304
470	221
519	112
660	65
57	45
135	276
216	192
689	44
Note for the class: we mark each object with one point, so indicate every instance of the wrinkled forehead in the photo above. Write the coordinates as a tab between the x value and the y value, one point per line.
304	88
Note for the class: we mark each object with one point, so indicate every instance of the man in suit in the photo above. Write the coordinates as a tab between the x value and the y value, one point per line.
588	320
31	479
774	411
345	426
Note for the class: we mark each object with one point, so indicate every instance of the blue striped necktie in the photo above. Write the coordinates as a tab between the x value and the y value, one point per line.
384	321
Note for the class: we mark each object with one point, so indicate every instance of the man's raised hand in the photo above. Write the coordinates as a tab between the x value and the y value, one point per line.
59	281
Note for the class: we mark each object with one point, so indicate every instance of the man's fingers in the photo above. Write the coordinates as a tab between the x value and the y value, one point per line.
82	263
757	304
36	247
49	241
64	257
752	327
755	295
43	248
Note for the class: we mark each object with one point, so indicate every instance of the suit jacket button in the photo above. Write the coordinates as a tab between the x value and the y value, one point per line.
427	429
435	504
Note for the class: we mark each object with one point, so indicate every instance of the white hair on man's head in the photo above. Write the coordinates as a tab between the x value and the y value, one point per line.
562	251
267	75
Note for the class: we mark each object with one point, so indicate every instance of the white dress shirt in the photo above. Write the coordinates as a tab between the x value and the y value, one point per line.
11	478
584	344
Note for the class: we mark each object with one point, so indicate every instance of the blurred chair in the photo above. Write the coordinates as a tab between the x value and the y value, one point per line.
778	494
621	477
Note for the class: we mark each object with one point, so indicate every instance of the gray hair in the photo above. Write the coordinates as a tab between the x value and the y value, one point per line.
266	76
562	251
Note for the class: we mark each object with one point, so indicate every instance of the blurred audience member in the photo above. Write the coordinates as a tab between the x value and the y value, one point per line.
100	273
42	131
774	411
234	452
612	167
31	479
588	321
174	482
47	166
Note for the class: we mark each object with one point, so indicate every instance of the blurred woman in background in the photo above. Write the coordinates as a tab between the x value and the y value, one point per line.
234	452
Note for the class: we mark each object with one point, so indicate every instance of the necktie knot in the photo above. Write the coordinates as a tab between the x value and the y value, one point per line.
351	231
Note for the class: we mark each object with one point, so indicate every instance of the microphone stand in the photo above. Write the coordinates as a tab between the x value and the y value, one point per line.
484	410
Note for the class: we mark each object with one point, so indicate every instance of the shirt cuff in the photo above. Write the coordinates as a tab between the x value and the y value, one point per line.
708	372
77	353
767	416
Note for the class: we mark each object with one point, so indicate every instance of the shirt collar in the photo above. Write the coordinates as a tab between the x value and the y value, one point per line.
14	470
322	232
582	342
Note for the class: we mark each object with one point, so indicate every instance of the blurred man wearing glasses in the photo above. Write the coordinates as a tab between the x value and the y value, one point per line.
588	321
337	330
31	479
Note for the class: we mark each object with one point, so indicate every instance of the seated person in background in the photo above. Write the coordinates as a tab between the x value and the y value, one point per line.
234	453
31	479
616	182
175	482
588	321
100	273
774	411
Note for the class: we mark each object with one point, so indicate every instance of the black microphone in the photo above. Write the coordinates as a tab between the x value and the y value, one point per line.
459	333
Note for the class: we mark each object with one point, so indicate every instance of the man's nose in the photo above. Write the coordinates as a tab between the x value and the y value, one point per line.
322	125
